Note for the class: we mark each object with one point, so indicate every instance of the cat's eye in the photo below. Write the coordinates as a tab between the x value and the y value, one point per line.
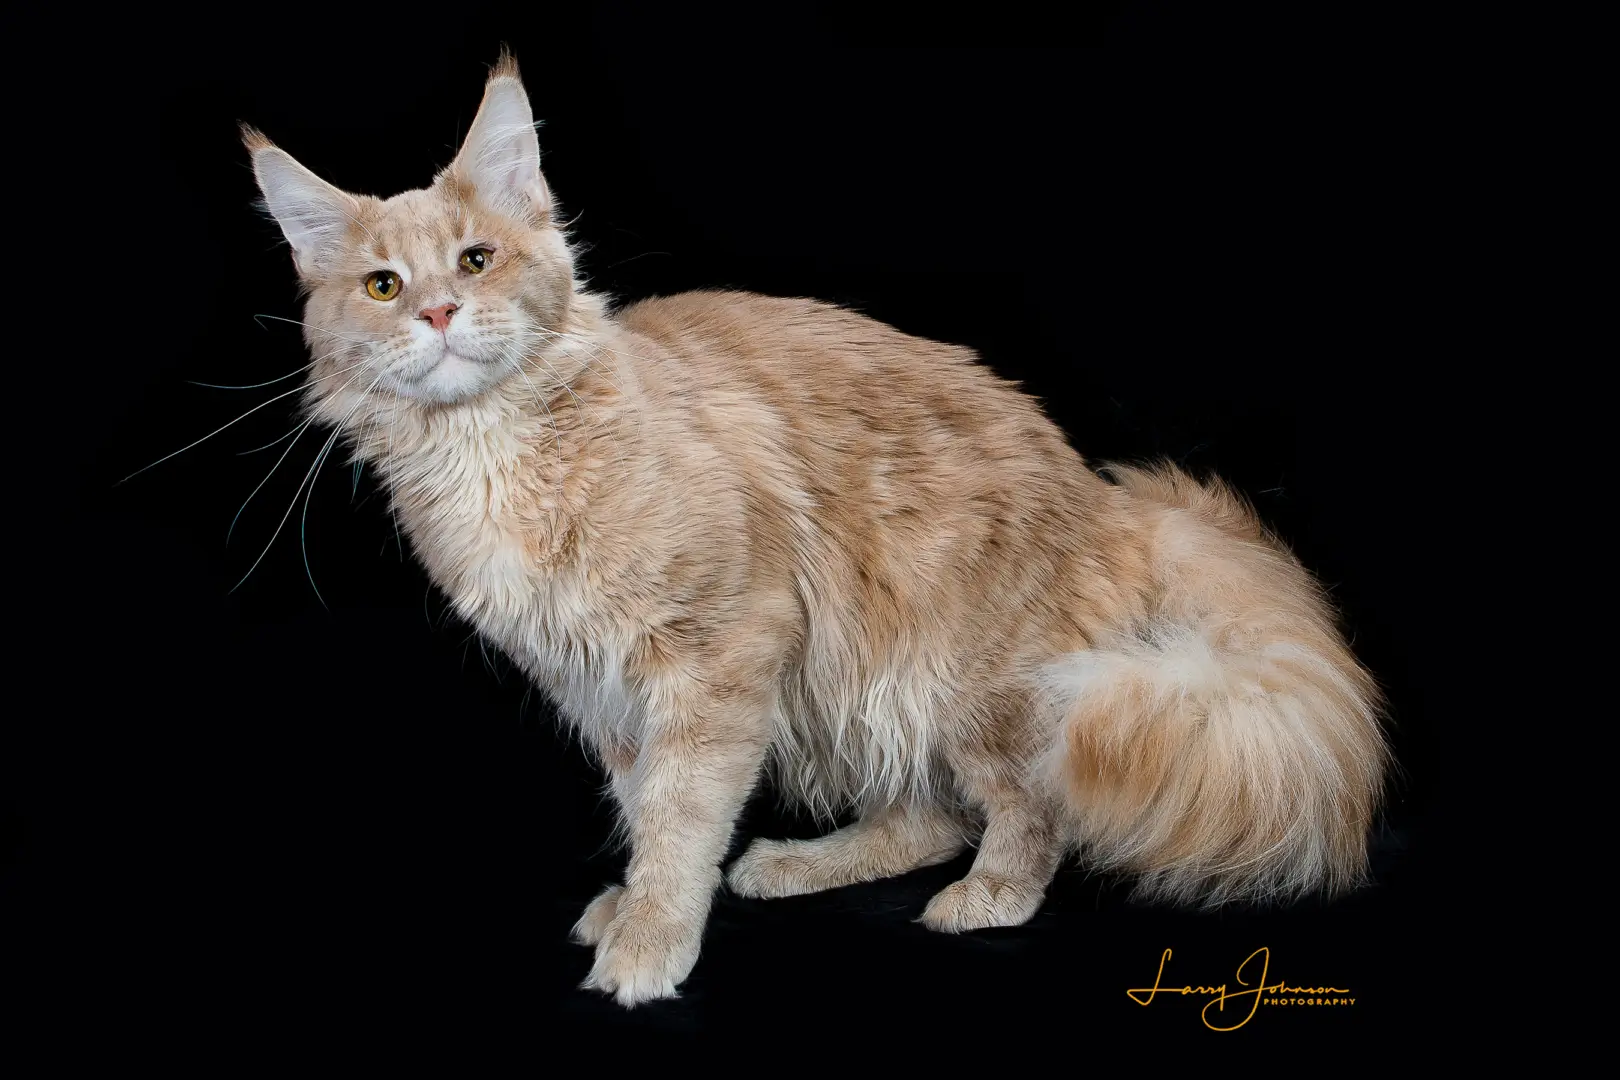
475	260
383	285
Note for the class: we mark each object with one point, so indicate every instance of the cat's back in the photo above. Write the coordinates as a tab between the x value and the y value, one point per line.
790	335
825	368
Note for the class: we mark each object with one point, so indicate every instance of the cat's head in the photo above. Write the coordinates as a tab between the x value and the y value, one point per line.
437	295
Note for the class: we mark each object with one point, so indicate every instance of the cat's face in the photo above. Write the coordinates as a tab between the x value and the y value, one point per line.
436	295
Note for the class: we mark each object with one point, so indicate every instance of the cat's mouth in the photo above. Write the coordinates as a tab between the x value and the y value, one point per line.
446	374
451	355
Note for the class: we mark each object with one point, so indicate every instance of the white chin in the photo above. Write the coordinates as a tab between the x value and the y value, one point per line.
452	379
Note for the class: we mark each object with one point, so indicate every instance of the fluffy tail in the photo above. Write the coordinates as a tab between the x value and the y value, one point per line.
1228	747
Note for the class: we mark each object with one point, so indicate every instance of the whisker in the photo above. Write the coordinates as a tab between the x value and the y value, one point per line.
268	445
239	419
514	357
303	521
633	258
594	350
336	431
255	386
362	225
362	341
297	433
393	489
517	363
299	430
582	410
557	376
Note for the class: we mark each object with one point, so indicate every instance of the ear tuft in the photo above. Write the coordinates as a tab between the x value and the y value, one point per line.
253	138
506	66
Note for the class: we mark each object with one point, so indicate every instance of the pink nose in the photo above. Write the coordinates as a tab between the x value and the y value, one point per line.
438	317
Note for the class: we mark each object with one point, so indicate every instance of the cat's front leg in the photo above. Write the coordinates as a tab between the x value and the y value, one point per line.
618	759
694	771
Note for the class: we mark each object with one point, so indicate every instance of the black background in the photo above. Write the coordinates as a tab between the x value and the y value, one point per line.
282	820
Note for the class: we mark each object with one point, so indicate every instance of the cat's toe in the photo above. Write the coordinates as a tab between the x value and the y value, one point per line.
599	914
643	957
981	901
772	868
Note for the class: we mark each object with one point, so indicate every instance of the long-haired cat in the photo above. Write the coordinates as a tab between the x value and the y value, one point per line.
732	535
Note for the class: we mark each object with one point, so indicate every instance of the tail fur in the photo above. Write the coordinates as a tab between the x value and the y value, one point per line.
1229	746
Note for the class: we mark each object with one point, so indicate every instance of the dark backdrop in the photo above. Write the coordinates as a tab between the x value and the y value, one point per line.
296	819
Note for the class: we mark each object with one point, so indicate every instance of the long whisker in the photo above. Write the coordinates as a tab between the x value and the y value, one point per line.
514	356
360	224
594	350
557	377
303	522
297	434
268	445
323	330
533	329
299	431
536	354
586	341
336	431
239	419
516	360
255	386
591	346
393	488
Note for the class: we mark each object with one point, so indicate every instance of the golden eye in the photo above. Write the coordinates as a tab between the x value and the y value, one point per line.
475	260
383	285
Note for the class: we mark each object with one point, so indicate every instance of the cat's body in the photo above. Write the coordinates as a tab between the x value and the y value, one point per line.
729	533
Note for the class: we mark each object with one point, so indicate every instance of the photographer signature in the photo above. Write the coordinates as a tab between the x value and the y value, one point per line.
1257	963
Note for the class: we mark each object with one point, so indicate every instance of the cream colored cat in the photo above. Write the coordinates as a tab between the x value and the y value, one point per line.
731	534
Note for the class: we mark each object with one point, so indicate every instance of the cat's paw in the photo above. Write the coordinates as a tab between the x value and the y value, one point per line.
980	901
643	955
773	868
599	913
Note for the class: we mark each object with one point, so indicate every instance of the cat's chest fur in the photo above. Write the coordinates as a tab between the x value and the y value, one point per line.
496	532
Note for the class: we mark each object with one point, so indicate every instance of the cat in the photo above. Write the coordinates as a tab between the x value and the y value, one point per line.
733	535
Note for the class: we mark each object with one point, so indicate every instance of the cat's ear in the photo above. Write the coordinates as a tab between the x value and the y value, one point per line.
500	158
313	215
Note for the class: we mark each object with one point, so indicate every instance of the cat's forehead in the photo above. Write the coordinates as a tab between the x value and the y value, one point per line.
419	225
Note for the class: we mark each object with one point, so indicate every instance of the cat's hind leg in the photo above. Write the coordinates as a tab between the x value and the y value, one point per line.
883	843
1018	856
